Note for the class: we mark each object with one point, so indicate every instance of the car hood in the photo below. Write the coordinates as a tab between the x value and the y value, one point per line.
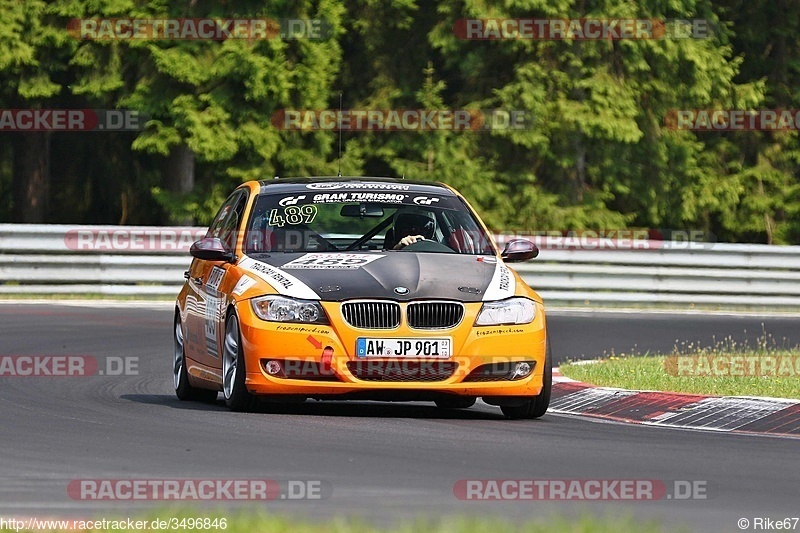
386	275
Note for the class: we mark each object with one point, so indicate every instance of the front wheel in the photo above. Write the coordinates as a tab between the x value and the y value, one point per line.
180	377
537	406
237	398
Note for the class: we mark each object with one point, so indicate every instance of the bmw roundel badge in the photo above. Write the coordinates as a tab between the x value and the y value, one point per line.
401	290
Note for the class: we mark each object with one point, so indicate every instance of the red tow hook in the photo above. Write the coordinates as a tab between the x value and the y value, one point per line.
326	365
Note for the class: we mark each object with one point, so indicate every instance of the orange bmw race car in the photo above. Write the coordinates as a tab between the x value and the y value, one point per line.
359	288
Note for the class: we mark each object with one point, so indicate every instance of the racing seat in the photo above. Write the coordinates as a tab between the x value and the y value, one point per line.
388	240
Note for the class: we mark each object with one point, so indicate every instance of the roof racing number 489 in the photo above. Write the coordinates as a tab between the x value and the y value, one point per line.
293	215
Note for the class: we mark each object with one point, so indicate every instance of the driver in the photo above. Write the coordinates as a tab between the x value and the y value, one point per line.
410	227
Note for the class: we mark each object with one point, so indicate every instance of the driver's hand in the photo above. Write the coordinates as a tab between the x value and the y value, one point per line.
410	239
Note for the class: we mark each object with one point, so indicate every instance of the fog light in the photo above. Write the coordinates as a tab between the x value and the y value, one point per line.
522	370
273	368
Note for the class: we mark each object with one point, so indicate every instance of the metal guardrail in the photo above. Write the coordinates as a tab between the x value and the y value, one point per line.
150	261
108	260
741	275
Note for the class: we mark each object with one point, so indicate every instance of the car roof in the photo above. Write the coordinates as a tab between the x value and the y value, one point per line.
285	185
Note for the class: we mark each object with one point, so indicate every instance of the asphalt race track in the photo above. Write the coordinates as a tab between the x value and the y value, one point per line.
382	461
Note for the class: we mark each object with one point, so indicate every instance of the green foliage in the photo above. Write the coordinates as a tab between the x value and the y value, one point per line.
33	51
595	152
198	206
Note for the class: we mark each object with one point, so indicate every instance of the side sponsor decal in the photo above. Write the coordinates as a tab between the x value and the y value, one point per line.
281	281
503	284
481	332
213	311
215	278
332	261
245	282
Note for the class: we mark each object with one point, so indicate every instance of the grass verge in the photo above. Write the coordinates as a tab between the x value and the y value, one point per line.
724	369
262	522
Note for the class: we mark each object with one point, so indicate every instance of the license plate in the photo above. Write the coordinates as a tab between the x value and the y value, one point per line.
427	348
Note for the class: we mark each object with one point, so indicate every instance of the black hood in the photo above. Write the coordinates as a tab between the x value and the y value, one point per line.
424	275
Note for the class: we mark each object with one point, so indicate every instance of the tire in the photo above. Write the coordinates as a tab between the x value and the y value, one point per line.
237	398
537	406
456	402
180	377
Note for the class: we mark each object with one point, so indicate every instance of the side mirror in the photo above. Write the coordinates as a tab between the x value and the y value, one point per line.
518	250
210	249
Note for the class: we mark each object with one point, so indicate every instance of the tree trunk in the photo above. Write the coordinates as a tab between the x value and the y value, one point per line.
579	95
31	176
579	182
179	178
768	222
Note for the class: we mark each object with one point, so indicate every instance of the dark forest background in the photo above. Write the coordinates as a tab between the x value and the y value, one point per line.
597	156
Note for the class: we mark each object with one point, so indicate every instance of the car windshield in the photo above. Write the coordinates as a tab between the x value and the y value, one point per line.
334	221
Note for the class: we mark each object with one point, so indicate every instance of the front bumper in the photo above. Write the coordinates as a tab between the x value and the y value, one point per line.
321	360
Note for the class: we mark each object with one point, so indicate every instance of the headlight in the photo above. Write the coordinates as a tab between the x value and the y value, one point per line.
511	311
282	309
